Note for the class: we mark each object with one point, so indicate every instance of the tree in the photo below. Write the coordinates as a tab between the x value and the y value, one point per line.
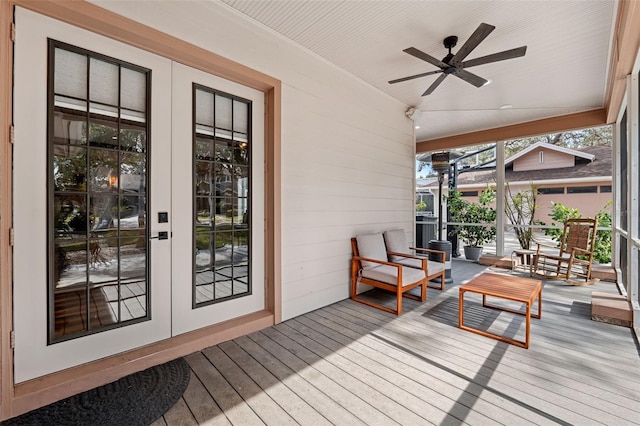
520	208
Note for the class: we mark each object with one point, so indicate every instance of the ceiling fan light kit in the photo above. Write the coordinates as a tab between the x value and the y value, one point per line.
454	64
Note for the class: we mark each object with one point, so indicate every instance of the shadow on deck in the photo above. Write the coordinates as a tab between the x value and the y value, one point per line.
348	363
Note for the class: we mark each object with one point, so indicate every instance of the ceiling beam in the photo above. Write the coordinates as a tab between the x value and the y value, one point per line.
624	49
580	120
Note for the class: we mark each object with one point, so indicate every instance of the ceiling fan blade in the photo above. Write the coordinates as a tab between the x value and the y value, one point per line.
507	54
471	78
414	76
425	57
478	35
434	85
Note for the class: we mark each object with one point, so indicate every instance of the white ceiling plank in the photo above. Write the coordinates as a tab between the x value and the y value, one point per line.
563	71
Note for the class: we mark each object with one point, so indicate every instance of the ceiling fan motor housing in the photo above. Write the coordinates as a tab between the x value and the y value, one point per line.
450	42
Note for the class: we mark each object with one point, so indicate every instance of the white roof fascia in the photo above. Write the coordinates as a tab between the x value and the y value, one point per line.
589	179
546	145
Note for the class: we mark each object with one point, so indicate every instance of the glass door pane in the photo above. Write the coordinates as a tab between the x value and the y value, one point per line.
221	159
98	168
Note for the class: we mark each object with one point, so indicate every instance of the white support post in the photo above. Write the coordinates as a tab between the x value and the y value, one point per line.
633	178
500	198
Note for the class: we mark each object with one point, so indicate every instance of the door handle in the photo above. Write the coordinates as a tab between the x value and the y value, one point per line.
161	236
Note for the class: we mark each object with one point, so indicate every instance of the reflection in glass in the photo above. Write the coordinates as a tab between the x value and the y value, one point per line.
204	293
203	149
205	213
103	260
224	213
99	265
103	170
103	306
241	153
70	169
221	203
70	306
240	181
133	299
224	151
240	286
203	180
103	133
69	128
133	138
242	207
132	258
132	210
69	215
223	288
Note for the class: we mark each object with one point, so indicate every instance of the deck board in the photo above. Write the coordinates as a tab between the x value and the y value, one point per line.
293	404
202	405
303	385
348	363
268	411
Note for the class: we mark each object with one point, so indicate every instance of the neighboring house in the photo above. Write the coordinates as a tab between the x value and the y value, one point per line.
577	178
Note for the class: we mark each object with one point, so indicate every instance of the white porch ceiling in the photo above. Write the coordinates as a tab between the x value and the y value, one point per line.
564	70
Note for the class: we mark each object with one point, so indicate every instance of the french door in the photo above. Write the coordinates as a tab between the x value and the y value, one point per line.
217	129
128	230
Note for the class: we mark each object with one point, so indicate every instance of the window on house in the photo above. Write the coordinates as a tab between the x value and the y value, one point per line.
605	188
549	191
222	180
541	157
97	191
582	189
469	193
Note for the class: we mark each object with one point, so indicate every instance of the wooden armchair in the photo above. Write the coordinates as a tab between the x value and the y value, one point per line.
573	256
399	251
370	266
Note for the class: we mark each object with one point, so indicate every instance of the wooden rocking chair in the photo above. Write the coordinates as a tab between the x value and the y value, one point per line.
573	256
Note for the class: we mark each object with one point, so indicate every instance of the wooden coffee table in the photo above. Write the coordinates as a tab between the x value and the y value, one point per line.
507	287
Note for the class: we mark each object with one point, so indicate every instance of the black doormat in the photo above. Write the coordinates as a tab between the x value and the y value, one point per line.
137	399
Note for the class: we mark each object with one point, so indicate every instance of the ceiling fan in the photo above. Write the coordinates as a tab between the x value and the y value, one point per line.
455	64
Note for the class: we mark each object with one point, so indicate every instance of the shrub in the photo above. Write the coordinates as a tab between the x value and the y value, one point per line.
481	213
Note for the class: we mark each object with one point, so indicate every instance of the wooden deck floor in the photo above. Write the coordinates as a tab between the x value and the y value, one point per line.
351	364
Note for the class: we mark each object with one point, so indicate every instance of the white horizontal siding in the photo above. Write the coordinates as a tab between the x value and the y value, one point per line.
347	148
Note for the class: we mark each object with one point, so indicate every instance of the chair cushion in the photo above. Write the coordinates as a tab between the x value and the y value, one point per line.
371	246
413	263
432	267
389	274
436	267
396	240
